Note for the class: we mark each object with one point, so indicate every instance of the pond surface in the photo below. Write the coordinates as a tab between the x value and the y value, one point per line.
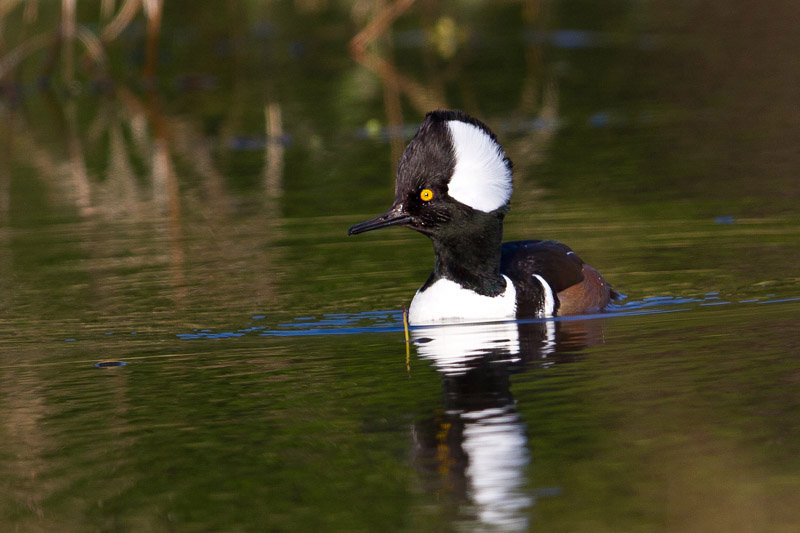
190	341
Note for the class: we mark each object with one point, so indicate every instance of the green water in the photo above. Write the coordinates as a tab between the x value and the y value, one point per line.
196	232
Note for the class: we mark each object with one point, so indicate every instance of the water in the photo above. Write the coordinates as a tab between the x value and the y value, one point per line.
190	341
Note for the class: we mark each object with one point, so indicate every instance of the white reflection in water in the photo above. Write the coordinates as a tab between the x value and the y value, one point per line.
488	450
494	440
453	347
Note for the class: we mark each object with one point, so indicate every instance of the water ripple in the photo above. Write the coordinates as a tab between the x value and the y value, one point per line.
391	321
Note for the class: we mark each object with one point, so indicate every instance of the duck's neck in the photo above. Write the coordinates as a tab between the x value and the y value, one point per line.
469	254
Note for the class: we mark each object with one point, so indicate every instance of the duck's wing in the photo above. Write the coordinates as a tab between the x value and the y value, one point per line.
554	261
577	287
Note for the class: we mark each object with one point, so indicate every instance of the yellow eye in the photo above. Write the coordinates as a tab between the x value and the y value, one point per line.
426	195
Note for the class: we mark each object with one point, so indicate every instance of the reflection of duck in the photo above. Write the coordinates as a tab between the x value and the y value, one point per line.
455	348
454	185
474	454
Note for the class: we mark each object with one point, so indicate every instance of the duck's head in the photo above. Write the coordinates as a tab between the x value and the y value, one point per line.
452	175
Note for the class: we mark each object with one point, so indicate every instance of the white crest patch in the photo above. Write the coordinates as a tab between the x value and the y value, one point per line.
481	178
447	301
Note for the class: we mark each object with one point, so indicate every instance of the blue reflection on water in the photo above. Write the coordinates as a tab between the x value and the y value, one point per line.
392	321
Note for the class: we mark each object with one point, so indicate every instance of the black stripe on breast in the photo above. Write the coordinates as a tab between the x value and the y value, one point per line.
555	262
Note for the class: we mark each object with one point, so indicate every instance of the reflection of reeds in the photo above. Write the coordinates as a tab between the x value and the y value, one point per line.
120	21
123	221
538	99
68	24
152	10
6	149
6	155
10	60
63	40
79	177
22	428
423	97
273	166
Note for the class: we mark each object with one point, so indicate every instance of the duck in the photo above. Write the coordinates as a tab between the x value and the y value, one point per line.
454	184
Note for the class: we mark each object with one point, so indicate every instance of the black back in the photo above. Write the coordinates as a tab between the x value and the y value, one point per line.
555	262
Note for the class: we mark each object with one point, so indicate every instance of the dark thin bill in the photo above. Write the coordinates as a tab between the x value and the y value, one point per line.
390	218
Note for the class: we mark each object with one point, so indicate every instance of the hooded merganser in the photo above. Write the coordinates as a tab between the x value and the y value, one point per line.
454	185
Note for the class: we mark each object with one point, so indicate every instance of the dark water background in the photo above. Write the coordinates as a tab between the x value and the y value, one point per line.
175	197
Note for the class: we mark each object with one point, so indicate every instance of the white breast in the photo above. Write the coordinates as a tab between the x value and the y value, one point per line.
447	301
